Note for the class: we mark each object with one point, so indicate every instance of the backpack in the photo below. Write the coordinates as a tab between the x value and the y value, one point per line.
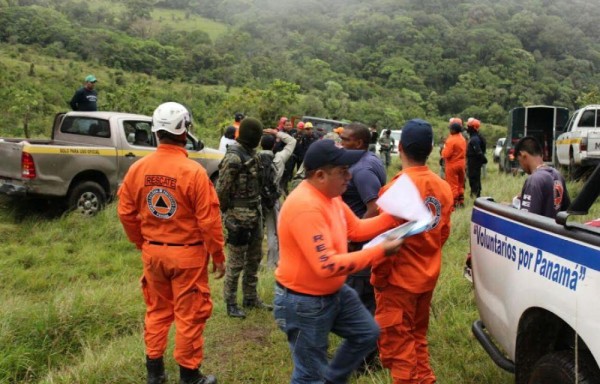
269	191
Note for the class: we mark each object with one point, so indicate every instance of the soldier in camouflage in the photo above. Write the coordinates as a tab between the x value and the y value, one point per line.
238	189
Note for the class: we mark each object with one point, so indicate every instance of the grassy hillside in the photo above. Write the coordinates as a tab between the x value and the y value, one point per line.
180	20
40	86
71	310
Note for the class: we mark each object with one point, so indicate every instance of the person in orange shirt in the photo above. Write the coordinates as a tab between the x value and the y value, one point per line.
454	155
404	284
311	298
237	119
170	210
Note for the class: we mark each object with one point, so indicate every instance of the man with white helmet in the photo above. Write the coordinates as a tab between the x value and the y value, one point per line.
170	211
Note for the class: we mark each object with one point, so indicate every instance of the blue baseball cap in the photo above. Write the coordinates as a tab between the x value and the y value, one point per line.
417	131
324	152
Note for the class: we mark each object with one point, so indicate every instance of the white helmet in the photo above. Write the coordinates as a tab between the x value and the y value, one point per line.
171	117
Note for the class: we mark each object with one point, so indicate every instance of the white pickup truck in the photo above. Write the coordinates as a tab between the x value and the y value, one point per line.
86	159
579	145
537	289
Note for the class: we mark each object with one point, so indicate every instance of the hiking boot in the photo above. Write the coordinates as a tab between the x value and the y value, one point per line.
194	376
156	371
256	304
234	311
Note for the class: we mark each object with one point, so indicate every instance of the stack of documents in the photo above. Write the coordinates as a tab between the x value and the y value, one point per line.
403	200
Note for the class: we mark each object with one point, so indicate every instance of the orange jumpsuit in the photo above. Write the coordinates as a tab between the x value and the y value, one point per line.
236	124
404	285
170	210
454	154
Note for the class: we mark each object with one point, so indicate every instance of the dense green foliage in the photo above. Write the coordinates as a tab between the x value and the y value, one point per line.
380	62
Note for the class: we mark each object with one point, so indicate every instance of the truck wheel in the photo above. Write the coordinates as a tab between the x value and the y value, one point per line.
559	368
87	198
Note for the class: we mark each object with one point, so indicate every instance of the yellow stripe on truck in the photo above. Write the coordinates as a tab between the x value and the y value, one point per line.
69	150
107	152
569	141
215	156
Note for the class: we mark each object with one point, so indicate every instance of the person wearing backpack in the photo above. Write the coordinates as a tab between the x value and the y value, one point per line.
239	190
271	193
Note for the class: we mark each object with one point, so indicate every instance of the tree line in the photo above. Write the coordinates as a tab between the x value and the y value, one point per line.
381	62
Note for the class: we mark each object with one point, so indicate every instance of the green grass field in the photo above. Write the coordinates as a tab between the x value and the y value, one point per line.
72	312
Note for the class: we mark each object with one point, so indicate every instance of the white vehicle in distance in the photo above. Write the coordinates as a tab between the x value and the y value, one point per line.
498	149
395	134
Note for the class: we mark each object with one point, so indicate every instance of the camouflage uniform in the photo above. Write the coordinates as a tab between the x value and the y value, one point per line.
386	142
239	195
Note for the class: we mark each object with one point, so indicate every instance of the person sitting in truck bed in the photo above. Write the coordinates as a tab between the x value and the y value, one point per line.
545	191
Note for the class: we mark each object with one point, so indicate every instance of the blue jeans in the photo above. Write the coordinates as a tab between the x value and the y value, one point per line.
307	321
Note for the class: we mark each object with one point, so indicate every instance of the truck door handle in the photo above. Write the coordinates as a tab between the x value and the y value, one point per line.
130	154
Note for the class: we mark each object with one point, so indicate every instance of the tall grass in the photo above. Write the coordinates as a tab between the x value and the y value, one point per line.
71	309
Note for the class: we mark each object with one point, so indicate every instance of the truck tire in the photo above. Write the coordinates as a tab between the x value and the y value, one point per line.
559	368
87	197
572	169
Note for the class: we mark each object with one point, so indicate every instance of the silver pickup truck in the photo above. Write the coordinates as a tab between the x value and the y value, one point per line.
86	159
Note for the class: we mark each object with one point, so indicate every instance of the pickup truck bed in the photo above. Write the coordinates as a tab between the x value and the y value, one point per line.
86	159
537	285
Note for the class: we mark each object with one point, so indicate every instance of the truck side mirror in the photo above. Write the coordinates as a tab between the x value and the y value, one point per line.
199	145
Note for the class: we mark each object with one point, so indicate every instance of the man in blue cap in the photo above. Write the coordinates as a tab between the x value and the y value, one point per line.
86	97
403	290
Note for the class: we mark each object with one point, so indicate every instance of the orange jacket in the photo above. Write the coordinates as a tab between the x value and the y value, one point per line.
168	198
417	266
237	129
455	150
313	241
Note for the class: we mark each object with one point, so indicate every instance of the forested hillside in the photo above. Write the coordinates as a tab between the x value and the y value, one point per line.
380	62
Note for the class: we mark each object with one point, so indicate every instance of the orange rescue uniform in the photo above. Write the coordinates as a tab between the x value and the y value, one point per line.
404	285
236	124
170	210
454	154
313	232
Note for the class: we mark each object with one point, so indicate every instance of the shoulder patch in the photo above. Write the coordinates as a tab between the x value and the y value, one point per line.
435	207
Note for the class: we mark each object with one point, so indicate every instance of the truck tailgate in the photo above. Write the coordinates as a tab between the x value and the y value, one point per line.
594	143
10	153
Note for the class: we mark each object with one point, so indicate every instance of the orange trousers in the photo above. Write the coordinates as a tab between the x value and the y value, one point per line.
404	319
175	288
455	176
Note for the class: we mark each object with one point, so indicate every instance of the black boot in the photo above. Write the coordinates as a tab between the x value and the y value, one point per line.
194	376
256	304
234	311
156	371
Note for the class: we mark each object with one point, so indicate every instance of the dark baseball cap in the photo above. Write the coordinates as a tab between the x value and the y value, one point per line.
324	152
417	132
239	116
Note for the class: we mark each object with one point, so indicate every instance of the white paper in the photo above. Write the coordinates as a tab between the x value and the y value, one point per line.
403	200
405	230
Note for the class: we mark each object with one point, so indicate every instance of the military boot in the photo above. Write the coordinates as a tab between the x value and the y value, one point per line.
156	371
194	376
256	304
234	311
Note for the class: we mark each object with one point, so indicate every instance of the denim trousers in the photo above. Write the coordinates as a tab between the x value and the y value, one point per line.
307	322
